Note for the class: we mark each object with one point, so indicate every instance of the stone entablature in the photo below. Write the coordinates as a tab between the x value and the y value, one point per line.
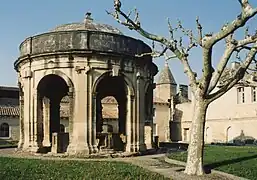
81	42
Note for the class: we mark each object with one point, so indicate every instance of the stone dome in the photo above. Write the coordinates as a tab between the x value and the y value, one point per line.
166	76
88	24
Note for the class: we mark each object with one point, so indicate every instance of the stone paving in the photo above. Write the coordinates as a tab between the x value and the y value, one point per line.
154	163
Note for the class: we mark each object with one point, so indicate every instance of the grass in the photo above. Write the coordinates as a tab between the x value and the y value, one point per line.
15	168
238	160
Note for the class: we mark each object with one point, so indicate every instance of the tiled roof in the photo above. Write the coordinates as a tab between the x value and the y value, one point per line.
15	111
9	88
109	99
165	76
9	111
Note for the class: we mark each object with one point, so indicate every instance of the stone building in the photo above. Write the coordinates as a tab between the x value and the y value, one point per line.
231	117
83	63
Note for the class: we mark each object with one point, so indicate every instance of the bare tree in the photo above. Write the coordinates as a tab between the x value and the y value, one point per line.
204	88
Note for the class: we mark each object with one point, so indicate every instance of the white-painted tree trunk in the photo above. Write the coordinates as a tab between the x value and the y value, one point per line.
194	164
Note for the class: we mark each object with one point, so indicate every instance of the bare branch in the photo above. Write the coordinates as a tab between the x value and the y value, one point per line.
247	13
245	5
170	44
247	40
238	75
200	31
154	54
171	30
221	66
231	46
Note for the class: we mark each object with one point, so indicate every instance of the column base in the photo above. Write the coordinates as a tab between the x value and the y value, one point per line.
128	148
134	147
20	145
34	149
142	147
93	149
46	143
149	146
78	149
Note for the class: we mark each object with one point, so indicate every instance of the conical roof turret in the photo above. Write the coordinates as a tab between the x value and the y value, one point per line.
166	76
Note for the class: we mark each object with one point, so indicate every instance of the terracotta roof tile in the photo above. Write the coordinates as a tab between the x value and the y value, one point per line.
109	99
9	111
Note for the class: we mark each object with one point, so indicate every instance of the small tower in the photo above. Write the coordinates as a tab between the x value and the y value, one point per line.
166	86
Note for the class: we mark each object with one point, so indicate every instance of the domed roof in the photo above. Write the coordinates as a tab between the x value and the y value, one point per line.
166	76
88	24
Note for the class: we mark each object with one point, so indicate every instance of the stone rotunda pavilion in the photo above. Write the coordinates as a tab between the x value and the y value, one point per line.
83	63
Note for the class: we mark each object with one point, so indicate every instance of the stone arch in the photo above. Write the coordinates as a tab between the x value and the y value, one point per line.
128	82
60	74
51	89
100	89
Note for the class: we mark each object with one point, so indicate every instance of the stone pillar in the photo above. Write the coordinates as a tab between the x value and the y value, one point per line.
46	122
21	140
78	144
26	110
34	125
140	118
94	104
129	120
71	111
134	127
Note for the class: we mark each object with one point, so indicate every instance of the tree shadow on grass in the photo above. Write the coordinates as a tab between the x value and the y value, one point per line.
211	166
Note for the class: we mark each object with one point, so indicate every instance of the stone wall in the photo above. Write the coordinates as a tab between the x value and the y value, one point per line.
226	118
162	118
14	129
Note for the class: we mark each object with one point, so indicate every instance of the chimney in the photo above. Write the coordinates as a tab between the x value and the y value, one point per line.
183	90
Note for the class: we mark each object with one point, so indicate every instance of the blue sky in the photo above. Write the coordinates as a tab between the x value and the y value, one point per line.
21	19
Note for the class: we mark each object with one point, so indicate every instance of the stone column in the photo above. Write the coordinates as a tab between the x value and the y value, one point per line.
21	140
34	124
26	120
46	122
140	117
129	120
91	116
94	104
134	127
78	144
71	111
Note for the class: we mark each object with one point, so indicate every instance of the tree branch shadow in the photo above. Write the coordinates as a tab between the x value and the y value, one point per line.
209	167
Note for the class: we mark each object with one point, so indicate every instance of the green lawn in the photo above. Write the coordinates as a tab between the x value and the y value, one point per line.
240	161
14	168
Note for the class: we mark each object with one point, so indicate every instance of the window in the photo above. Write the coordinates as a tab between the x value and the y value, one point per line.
4	130
240	95
253	94
62	128
186	134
